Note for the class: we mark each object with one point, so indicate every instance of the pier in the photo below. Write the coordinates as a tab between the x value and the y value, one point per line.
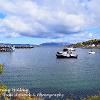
11	47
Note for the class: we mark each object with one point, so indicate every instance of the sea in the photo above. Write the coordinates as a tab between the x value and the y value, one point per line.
38	70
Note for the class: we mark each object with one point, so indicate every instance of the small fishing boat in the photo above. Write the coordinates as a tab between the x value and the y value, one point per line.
66	53
92	45
91	52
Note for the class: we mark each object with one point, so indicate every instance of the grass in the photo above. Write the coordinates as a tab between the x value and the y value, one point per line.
3	89
93	98
1	68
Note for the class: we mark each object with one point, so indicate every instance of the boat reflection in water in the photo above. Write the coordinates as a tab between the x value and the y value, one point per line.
67	53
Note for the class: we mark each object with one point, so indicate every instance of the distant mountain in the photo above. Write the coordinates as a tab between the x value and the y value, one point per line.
55	44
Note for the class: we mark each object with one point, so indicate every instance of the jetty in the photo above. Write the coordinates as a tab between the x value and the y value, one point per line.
23	46
12	47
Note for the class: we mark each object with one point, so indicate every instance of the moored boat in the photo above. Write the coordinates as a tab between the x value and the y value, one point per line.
66	53
91	52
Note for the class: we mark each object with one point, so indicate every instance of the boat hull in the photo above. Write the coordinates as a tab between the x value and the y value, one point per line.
61	56
91	52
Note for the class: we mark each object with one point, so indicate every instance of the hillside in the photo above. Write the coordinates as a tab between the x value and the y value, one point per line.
88	44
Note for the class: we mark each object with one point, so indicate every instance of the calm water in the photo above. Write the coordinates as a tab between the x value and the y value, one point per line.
38	68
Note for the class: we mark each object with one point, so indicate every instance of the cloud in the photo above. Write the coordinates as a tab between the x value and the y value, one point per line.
15	24
13	35
47	18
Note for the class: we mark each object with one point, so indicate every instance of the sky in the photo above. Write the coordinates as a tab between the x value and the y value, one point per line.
39	21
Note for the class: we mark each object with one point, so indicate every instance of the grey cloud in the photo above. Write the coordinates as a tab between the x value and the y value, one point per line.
49	18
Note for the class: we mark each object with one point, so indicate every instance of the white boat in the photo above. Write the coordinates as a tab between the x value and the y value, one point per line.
91	52
66	53
13	48
92	45
71	48
7	49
